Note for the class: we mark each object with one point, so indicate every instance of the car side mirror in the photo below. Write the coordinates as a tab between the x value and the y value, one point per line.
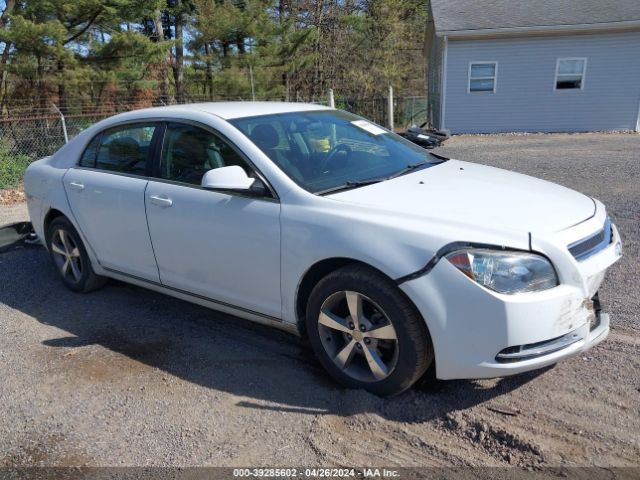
232	177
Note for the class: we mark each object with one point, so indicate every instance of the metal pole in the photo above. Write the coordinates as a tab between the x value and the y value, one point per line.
332	100
390	107
64	123
253	88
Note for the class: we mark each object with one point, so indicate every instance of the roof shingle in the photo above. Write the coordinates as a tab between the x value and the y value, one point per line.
456	15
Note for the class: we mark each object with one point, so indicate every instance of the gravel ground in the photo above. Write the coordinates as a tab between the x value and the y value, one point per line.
125	376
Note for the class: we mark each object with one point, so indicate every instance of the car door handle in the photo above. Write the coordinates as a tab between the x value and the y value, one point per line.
161	201
76	186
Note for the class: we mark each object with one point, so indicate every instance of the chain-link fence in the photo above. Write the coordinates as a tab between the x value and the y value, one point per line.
407	111
28	132
42	134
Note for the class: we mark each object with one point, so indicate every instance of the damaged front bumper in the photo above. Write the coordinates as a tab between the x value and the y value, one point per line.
583	338
478	333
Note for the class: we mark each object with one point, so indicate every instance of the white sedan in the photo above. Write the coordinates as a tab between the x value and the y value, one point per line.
392	261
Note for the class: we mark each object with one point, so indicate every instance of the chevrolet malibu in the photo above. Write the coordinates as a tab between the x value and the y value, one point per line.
391	260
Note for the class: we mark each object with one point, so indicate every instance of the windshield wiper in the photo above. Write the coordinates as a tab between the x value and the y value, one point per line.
370	181
408	169
350	185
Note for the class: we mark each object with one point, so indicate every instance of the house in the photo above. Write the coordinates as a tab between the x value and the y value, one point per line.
534	65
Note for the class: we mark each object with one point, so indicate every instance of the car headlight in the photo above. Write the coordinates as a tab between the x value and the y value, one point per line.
504	271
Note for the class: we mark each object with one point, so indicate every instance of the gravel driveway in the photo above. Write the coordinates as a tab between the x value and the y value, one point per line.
125	376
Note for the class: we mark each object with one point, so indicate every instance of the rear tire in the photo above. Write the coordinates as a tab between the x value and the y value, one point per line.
386	351
70	257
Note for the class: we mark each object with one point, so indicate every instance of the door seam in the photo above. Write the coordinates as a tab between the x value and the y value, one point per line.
146	218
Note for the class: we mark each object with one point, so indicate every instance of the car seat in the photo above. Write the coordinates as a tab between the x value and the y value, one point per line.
266	137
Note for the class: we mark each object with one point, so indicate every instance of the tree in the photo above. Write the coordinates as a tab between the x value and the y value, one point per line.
58	36
75	51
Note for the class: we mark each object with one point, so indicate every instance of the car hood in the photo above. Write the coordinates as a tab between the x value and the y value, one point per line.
476	195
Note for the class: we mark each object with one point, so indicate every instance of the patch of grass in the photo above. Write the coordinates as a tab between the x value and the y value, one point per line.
12	167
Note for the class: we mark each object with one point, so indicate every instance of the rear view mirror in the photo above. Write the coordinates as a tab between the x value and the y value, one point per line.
227	178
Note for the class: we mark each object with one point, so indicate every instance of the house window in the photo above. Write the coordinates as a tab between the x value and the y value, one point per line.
482	76
570	73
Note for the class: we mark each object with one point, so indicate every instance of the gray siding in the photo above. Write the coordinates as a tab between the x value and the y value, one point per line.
525	99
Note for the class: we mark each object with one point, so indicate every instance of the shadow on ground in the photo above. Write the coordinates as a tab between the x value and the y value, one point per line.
275	370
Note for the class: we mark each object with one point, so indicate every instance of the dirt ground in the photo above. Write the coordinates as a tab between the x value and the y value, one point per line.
124	376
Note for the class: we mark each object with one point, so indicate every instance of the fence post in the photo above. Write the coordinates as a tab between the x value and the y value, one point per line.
64	123
332	100
390	108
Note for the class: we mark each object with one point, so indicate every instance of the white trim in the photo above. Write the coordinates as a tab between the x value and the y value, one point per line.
565	28
582	80
494	77
443	90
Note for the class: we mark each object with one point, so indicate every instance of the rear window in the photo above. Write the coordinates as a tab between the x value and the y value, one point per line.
125	149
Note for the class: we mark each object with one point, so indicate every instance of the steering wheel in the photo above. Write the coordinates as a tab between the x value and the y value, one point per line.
333	154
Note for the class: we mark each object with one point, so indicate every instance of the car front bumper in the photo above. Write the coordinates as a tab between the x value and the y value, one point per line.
478	333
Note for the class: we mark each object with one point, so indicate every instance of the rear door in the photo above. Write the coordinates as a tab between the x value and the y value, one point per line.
106	194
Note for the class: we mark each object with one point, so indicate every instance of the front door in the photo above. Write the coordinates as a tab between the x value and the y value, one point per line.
106	194
222	246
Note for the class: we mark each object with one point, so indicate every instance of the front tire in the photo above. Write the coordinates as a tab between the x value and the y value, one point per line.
70	257
366	333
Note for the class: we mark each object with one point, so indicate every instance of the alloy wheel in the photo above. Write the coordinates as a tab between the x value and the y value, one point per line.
358	336
66	255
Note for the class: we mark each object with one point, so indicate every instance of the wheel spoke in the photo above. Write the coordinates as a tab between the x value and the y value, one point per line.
386	332
56	249
65	266
377	366
65	241
354	301
75	269
344	356
75	253
334	322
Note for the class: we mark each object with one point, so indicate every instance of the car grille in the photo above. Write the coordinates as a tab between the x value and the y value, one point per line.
583	249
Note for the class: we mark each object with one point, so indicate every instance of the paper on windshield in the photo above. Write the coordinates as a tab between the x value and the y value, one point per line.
369	127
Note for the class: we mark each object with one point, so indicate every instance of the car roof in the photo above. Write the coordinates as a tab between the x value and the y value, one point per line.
231	110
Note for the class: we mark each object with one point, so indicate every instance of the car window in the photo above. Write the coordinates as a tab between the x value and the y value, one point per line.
88	158
322	150
189	152
126	149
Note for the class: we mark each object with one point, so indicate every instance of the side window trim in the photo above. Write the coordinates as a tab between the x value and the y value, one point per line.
157	146
177	121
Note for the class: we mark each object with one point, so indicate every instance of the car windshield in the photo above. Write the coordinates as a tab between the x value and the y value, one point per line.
331	150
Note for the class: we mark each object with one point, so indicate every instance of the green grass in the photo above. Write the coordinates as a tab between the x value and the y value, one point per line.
12	167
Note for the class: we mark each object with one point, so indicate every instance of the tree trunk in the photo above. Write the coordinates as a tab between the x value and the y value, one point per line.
10	4
240	44
41	85
164	78
62	92
208	72
178	64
